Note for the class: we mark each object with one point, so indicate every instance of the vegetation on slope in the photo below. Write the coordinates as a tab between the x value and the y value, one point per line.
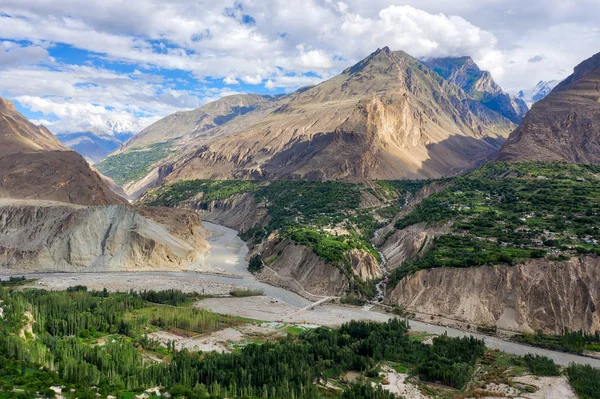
326	216
96	342
505	213
133	165
210	190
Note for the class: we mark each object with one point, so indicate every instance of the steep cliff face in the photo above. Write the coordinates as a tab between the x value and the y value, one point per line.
479	85
240	212
408	243
38	236
565	125
539	294
298	269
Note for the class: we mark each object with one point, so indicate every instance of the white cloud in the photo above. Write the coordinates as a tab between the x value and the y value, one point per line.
253	80
282	44
12	54
230	80
82	97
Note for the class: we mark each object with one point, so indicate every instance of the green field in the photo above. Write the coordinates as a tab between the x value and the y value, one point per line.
134	164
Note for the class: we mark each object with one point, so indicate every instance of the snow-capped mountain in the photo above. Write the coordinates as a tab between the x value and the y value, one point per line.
115	126
94	144
539	91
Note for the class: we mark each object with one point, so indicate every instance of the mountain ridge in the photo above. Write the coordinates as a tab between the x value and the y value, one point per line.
565	125
35	165
479	85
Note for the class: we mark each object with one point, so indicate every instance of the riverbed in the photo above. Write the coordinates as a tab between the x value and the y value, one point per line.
227	257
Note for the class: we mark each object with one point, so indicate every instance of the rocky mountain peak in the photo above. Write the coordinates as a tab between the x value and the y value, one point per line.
478	85
7	105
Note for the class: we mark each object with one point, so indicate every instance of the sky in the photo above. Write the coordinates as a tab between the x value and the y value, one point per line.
73	65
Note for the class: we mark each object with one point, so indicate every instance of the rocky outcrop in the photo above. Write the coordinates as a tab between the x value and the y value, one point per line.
298	269
240	212
479	85
364	265
565	125
408	243
46	236
539	294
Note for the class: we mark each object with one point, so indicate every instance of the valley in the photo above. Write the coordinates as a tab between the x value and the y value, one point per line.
404	228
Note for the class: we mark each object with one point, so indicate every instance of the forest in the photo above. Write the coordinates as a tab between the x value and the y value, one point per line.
96	342
62	349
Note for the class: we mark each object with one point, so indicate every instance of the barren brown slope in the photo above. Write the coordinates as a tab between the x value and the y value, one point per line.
180	125
34	165
564	126
387	117
17	134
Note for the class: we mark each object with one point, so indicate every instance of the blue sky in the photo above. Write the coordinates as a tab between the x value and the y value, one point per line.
74	65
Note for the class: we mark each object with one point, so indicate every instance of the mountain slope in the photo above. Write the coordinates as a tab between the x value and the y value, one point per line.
387	117
34	165
94	145
479	85
564	126
181	124
17	134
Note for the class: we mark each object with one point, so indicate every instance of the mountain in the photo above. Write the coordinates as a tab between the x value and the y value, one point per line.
35	165
565	125
94	145
194	123
479	85
387	117
117	127
538	92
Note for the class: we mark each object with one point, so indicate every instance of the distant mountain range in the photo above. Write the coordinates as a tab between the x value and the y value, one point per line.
95	144
538	92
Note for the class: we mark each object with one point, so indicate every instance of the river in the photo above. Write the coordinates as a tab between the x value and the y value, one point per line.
228	254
